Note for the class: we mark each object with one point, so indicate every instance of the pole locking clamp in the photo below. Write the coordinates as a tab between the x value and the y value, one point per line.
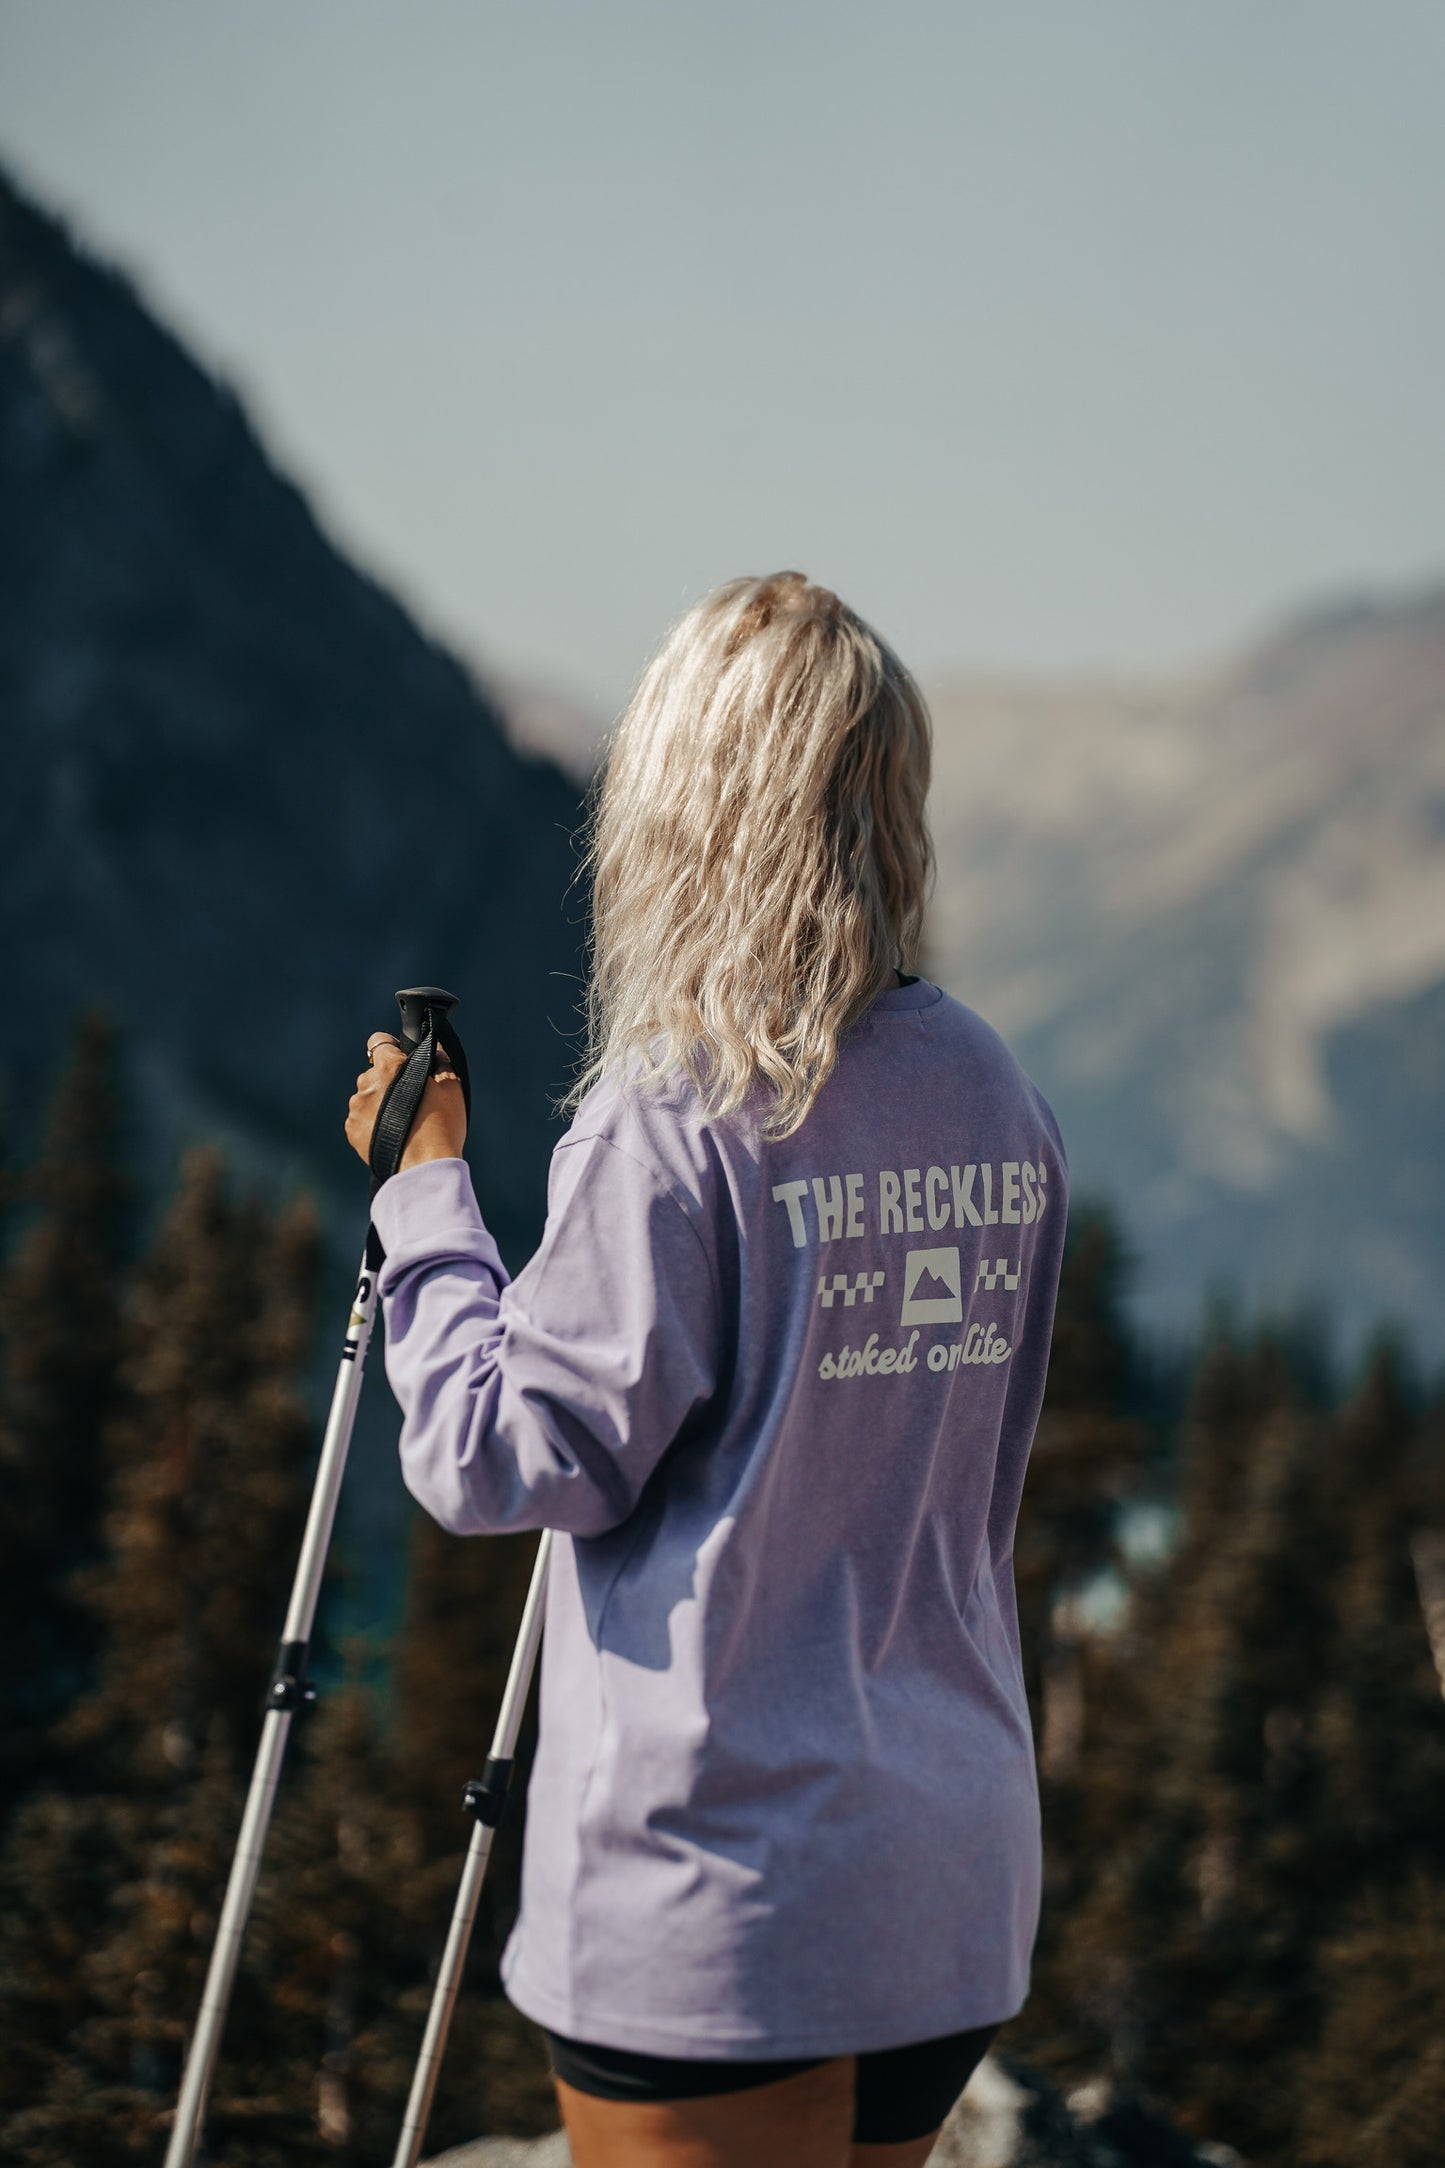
290	1689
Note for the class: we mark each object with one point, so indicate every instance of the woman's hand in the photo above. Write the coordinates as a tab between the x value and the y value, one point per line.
440	1128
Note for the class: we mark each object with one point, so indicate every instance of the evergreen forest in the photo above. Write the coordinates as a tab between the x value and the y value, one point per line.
1231	1572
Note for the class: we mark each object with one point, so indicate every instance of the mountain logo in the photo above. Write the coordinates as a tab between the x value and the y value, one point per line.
932	1288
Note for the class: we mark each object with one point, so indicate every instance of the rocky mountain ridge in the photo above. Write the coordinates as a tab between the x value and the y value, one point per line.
1210	915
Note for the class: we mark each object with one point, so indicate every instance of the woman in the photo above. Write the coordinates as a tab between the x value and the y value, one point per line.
775	1371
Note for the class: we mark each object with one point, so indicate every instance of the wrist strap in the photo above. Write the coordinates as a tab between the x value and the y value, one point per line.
403	1096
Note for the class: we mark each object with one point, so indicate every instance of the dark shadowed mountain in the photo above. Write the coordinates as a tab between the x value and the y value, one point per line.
244	797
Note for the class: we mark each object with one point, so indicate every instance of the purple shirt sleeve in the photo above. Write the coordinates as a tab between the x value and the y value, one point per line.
544	1401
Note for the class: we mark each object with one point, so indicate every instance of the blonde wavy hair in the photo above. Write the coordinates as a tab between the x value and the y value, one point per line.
759	853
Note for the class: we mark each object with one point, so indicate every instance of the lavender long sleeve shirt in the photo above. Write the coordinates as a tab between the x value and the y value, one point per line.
778	1398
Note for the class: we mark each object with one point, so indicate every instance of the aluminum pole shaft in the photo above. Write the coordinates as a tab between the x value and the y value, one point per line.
479	1851
300	1616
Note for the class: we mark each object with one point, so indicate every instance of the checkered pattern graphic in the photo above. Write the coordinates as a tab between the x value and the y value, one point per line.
862	1283
990	1275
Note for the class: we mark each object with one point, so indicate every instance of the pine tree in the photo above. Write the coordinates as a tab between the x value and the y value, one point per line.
1093	1451
1184	1949
464	1607
1373	2090
209	1491
365	1864
1381	1719
1263	1772
336	1933
1090	1446
59	1322
111	1900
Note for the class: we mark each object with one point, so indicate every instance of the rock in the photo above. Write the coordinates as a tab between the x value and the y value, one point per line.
1010	2117
551	2152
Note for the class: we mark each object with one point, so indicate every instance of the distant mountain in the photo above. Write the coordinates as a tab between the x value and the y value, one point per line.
1210	912
545	724
244	797
1210	916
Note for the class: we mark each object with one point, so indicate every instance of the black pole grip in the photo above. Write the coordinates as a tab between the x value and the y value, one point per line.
414	1001
427	1031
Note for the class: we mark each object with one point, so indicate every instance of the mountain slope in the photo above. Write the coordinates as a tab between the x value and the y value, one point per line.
245	796
1211	918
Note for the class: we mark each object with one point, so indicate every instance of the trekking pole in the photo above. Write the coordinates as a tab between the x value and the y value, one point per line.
426	1031
485	1798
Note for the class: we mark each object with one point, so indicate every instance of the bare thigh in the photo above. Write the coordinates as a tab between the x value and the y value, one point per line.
805	2121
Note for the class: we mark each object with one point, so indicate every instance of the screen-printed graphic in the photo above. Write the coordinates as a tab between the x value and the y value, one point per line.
928	1322
932	1288
838	1283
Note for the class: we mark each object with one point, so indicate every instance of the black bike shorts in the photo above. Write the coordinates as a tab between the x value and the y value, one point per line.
903	2093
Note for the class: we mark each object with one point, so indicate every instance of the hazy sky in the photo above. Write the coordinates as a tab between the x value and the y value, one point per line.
1052	332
